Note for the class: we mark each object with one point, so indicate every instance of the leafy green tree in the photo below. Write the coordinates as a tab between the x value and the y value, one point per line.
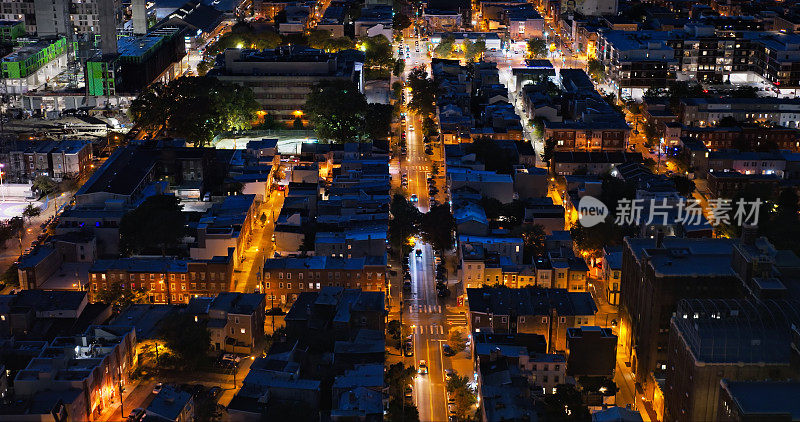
493	158
186	338
437	227
683	185
445	47
157	223
399	67
244	35
423	92
537	48
404	224
44	184
378	52
397	90
319	38
533	237
297	124
10	276
121	295
566	405
474	50
215	107
378	120
596	69
457	339
549	150
203	67
31	211
400	21
397	377
401	410
538	127
464	395
337	111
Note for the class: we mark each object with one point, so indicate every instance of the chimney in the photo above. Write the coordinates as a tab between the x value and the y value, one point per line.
749	234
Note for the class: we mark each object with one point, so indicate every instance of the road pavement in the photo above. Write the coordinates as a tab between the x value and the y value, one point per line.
247	275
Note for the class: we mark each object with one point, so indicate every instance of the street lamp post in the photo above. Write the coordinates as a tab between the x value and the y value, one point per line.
1	181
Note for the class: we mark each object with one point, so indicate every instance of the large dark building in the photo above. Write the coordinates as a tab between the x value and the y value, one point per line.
656	274
738	340
591	351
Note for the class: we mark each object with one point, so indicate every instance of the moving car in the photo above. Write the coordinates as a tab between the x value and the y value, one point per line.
414	197
423	367
418	252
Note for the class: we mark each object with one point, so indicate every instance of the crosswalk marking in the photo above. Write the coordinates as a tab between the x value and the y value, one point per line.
428	309
429	329
458	319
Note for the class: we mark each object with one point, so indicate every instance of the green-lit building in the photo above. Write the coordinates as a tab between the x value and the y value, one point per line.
139	61
11	30
31	65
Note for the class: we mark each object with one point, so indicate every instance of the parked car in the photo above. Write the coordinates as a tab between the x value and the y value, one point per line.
158	387
408	348
137	415
447	350
406	285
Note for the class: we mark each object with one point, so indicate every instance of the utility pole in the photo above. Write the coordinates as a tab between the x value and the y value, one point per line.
121	400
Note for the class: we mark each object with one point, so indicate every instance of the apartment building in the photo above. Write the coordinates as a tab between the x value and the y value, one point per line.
705	50
282	78
548	312
80	377
163	280
767	110
226	225
286	278
236	321
24	160
749	137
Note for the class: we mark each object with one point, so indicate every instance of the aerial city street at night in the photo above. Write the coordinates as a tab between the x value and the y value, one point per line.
399	210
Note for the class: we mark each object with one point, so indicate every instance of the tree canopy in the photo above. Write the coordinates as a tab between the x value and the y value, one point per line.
403	225
338	111
423	92
197	108
445	46
464	395
474	50
187	338
537	48
437	227
121	295
157	223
